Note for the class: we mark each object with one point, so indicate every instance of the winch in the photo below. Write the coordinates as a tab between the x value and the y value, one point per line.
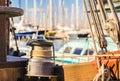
42	58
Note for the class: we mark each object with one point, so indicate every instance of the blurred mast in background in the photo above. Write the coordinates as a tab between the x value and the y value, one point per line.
41	14
77	15
72	16
51	14
34	13
26	13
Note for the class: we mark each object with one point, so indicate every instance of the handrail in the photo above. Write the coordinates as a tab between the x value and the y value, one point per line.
74	56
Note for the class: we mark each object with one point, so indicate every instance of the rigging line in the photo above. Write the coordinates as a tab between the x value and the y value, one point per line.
91	13
94	21
102	41
102	10
85	8
98	18
112	8
102	38
88	19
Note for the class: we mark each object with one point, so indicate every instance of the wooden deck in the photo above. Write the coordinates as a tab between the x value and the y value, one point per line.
13	70
75	72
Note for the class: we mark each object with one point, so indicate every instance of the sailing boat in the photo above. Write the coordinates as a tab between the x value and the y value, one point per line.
105	66
81	50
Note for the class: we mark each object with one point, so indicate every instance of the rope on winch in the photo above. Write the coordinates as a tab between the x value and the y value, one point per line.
104	72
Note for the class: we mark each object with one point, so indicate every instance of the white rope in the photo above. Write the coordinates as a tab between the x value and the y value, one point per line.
101	74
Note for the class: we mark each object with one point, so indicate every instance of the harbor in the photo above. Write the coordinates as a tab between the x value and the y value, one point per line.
60	40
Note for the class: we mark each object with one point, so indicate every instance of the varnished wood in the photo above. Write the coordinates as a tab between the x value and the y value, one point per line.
11	11
2	2
11	68
5	13
3	34
12	74
3	38
4	29
75	72
14	69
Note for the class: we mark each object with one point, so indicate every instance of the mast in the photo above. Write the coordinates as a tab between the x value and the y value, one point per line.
56	18
102	11
66	17
90	26
46	15
41	14
51	21
59	12
77	14
26	18
72	16
62	13
34	13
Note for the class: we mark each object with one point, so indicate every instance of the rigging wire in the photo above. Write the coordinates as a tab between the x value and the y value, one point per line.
100	29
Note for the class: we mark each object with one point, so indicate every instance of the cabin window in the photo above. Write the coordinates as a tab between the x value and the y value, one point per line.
89	52
77	51
67	49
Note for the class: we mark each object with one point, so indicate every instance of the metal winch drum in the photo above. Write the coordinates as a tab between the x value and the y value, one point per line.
41	61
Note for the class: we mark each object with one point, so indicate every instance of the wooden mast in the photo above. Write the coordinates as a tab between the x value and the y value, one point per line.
4	41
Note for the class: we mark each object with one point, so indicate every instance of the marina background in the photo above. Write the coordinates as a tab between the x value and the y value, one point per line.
65	12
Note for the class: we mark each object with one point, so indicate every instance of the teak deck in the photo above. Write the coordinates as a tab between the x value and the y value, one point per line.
13	69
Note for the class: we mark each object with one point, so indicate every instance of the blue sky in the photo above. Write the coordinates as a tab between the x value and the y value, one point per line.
67	3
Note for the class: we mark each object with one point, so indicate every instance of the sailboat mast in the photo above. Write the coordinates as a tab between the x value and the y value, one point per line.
77	14
41	23
51	22
26	21
66	17
34	16
72	16
59	12
62	13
